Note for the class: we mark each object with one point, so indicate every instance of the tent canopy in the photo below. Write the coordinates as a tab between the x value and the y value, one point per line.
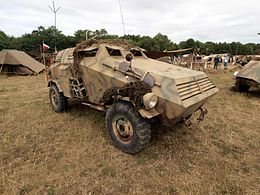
159	54
18	62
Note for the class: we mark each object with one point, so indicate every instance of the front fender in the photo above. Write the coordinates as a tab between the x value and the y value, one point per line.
51	82
148	113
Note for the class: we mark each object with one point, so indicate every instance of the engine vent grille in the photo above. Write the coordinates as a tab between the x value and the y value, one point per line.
193	88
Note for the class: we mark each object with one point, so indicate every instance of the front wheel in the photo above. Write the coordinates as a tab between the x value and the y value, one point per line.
58	101
127	129
241	87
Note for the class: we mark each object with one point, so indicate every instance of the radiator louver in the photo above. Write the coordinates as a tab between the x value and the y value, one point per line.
193	88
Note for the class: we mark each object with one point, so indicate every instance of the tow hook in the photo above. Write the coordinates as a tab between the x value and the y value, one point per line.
203	112
187	122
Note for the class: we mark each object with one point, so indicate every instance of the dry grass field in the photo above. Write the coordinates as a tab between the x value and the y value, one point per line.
42	152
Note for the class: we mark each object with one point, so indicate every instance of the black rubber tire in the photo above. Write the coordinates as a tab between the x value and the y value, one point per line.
141	132
60	104
241	87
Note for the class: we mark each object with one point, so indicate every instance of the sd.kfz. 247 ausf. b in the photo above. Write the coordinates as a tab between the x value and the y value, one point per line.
114	77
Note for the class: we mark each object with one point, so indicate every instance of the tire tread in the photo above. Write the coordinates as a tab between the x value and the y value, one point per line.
140	125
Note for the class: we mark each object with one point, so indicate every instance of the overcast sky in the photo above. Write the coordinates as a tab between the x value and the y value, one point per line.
204	20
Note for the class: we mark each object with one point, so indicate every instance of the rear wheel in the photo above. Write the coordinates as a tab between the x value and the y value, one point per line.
58	101
240	87
127	129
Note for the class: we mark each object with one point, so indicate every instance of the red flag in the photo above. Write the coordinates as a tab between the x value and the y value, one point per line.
44	46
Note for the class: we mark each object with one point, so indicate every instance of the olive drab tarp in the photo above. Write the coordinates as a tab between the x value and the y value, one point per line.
18	62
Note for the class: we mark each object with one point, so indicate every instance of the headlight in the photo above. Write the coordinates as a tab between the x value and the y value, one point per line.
150	100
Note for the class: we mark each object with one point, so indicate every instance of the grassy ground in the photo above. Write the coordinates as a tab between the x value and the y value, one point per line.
43	152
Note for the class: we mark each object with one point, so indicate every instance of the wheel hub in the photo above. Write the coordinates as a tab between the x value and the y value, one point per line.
122	128
54	98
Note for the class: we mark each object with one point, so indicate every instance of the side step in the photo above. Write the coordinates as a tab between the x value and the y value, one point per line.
97	107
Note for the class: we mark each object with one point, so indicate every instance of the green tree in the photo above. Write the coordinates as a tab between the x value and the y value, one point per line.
257	49
80	35
190	43
147	43
32	42
162	42
3	40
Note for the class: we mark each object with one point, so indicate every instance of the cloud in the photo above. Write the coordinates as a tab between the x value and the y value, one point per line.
212	20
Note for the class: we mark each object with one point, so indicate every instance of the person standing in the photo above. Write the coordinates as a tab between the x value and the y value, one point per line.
216	61
226	62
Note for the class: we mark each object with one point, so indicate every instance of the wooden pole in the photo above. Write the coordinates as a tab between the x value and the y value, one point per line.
1	68
192	61
44	63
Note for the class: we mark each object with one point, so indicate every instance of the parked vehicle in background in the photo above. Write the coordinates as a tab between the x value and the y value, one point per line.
248	77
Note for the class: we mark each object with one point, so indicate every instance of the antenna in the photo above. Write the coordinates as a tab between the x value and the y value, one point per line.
122	15
54	10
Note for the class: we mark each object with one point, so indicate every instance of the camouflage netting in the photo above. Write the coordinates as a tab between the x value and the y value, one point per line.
134	90
95	42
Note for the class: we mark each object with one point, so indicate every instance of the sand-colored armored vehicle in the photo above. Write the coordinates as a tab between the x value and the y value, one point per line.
248	77
132	89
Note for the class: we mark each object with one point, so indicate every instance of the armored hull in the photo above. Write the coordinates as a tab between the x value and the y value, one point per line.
102	74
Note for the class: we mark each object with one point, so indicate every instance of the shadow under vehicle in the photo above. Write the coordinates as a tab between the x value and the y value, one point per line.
131	88
248	76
